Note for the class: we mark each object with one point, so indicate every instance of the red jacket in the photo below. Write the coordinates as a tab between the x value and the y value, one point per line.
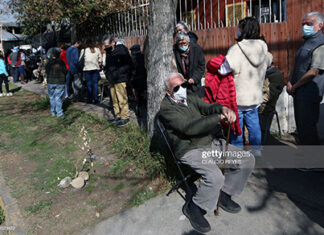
63	57
221	89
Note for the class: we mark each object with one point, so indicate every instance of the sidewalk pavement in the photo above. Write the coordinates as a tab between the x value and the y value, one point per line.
263	212
280	201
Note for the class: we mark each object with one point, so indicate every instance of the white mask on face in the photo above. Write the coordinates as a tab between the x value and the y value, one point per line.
181	94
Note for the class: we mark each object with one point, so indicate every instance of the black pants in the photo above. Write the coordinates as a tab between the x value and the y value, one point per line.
4	78
306	117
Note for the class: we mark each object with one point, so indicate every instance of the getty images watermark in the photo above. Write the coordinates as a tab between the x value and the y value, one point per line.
232	157
7	228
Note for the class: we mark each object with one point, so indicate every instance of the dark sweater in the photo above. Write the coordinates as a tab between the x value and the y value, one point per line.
118	64
189	127
56	71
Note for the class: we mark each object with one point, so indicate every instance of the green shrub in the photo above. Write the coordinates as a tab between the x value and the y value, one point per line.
2	216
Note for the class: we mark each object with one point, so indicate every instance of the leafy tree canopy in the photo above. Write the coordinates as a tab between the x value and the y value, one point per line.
34	14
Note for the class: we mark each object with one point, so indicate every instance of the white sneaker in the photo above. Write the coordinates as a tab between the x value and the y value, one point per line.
1	94
9	94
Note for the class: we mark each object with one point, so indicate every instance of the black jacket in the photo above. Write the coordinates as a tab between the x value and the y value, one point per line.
56	71
196	66
118	64
139	72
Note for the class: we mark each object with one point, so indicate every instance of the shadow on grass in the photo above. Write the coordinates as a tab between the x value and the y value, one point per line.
15	90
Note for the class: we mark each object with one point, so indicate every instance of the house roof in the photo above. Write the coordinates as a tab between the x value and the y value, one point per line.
6	36
9	22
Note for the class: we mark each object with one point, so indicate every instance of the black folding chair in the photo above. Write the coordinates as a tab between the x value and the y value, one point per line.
183	179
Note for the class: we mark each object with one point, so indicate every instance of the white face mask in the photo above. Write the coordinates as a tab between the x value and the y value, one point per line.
181	94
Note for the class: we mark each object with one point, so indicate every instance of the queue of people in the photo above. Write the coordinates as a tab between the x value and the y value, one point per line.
234	93
194	114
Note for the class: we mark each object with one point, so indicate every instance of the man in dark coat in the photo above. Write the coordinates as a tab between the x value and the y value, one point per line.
191	123
190	62
118	71
139	75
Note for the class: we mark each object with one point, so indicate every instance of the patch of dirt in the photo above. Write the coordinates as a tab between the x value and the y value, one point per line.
67	211
71	210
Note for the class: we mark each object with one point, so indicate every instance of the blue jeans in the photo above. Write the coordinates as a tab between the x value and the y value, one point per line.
15	74
55	93
92	84
251	120
21	70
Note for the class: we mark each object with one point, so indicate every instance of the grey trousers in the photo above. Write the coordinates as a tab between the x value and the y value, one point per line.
204	161
76	85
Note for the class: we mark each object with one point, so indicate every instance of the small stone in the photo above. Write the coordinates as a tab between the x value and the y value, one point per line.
97	214
84	175
182	217
64	183
77	183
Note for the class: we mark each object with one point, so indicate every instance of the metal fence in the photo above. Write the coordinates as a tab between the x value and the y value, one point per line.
132	22
206	14
199	14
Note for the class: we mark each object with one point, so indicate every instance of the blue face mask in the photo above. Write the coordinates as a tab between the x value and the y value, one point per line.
184	48
308	30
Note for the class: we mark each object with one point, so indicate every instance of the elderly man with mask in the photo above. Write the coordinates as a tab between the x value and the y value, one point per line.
191	125
306	83
190	62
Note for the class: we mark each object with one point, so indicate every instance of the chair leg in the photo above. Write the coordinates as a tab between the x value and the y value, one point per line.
177	186
277	116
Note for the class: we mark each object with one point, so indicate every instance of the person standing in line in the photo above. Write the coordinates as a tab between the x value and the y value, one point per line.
21	66
72	56
306	83
3	76
92	62
67	79
248	59
13	58
56	73
118	71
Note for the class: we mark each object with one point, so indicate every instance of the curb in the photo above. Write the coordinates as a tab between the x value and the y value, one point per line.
14	224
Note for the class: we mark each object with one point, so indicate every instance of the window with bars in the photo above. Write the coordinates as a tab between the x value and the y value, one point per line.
204	14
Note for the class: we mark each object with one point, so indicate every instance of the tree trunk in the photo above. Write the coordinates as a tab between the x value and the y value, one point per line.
159	65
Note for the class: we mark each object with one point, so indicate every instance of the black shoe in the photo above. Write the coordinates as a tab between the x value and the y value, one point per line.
114	120
227	204
123	122
195	216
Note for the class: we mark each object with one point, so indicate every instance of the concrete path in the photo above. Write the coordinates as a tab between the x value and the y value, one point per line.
265	211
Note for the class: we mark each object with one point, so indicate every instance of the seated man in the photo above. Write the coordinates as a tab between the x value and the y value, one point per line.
189	122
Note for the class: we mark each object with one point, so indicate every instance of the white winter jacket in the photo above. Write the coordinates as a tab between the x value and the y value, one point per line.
249	60
91	60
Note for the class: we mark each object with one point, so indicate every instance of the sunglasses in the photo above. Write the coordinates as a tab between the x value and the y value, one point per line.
183	85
